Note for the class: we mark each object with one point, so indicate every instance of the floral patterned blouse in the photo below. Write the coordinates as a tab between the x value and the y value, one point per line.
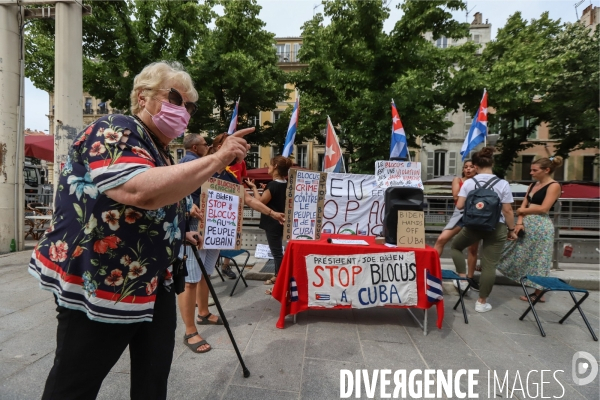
100	256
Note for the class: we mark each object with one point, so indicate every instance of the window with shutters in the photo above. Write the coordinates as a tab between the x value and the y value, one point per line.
588	168
442	42
253	158
302	156
297	47
321	157
430	164
452	163
275	151
526	168
439	163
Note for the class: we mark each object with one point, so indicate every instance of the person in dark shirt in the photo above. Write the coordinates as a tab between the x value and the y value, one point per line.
274	197
195	147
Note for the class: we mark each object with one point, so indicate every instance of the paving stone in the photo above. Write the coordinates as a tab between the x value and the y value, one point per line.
547	349
270	317
201	376
116	386
589	392
333	340
393	356
321	378
7	368
274	360
480	334
29	382
444	349
235	392
242	324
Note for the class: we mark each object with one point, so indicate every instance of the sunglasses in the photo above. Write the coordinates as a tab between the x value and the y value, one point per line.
176	99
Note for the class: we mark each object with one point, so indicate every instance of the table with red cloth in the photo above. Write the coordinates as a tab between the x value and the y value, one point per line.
294	265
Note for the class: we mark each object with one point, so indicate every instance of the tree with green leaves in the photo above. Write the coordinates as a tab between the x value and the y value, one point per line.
355	69
238	59
516	78
572	98
119	39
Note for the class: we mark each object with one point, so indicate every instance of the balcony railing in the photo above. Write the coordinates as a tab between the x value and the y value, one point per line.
288	56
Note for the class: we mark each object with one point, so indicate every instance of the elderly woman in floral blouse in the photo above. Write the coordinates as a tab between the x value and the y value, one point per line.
117	229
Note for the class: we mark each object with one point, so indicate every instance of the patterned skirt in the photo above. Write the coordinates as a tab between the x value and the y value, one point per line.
531	254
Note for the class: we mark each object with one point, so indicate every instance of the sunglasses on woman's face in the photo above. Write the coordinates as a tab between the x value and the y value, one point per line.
176	99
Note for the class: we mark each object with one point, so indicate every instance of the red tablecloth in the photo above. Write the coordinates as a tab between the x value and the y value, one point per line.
294	265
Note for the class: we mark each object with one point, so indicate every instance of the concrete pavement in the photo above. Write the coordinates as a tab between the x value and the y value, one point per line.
303	361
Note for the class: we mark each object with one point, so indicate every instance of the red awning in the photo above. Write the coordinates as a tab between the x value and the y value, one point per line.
40	146
579	191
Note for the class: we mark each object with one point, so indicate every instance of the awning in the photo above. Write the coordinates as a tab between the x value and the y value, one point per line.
261	175
40	146
579	191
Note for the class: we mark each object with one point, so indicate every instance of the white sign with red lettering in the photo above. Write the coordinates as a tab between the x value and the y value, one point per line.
362	280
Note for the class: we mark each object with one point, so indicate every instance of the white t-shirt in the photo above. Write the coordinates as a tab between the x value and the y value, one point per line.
501	187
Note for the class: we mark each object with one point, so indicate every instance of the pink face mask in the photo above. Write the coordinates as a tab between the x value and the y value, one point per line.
171	120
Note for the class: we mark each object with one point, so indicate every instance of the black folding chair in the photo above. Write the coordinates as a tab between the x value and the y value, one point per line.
230	255
451	275
558	285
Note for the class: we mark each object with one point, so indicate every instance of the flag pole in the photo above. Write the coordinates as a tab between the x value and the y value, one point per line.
485	137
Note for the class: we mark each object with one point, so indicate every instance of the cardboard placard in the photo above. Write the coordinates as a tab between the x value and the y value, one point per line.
411	229
304	204
398	173
221	215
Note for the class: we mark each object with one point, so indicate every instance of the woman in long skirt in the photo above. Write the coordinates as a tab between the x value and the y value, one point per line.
531	254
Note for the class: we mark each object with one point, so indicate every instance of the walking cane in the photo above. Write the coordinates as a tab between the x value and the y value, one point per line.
218	304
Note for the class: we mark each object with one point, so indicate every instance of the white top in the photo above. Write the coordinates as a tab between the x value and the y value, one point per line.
502	187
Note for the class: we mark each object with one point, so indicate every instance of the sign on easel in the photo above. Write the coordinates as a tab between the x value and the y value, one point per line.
398	173
221	215
411	229
304	204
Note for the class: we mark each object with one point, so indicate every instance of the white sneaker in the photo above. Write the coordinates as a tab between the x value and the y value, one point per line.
482	307
211	301
463	285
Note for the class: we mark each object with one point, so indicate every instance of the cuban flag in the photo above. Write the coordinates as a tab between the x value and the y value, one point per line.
433	288
399	146
293	290
288	147
333	159
478	130
234	117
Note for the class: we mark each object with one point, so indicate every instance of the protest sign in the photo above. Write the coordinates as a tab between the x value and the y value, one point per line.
264	251
353	205
304	204
221	215
398	173
362	280
411	229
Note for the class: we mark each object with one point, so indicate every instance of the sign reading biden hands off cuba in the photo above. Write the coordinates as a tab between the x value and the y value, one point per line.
362	280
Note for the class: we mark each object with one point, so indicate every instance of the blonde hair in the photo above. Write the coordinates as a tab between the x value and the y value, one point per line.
157	76
549	162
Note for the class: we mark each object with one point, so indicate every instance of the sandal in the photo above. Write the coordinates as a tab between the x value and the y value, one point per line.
194	346
270	281
269	292
533	296
206	321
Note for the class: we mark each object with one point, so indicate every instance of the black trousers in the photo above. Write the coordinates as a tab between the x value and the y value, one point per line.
275	241
86	351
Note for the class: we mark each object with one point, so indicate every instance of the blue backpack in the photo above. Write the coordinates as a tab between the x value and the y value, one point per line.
483	207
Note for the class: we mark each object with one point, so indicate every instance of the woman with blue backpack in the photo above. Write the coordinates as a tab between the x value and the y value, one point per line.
488	216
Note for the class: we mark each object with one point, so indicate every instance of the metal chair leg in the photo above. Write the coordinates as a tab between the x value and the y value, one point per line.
461	295
531	306
240	275
218	268
577	306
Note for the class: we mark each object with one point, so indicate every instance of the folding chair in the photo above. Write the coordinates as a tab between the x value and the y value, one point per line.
230	254
451	275
558	285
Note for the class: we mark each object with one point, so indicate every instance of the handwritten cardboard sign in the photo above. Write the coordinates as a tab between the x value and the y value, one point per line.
362	280
304	204
221	210
411	229
398	173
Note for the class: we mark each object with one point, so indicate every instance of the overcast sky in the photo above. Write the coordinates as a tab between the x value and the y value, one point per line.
286	17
